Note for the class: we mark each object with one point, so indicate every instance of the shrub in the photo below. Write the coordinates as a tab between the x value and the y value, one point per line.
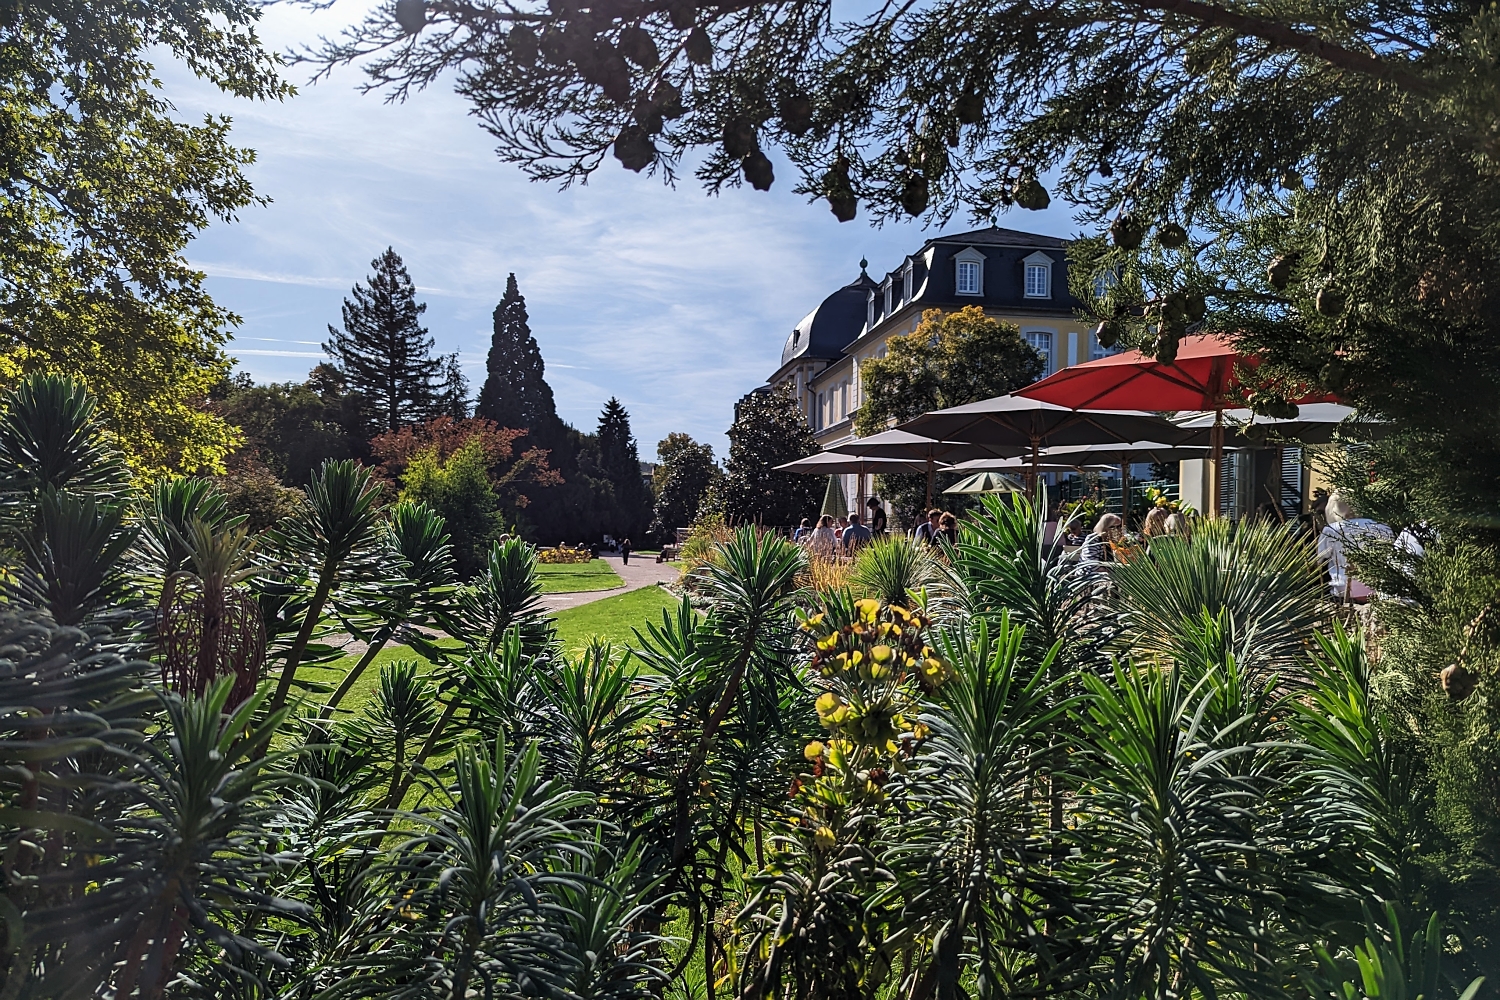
459	489
564	554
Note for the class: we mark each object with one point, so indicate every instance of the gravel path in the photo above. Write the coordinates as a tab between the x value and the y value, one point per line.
643	571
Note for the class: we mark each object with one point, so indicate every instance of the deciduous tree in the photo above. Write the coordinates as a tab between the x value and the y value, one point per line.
769	429
950	359
685	471
102	185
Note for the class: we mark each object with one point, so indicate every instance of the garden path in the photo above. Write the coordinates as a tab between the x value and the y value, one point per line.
643	571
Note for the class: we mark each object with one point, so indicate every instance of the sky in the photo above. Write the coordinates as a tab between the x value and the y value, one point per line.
675	302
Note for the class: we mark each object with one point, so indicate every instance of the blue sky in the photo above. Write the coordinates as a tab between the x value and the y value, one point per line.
673	301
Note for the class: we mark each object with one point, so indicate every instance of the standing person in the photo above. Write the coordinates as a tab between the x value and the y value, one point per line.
823	540
803	530
928	530
948	528
855	535
1343	532
625	552
877	516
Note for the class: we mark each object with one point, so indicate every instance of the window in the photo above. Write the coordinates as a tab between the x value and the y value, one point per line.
821	403
906	282
887	296
870	311
1041	342
1038	276
843	400
968	278
1038	281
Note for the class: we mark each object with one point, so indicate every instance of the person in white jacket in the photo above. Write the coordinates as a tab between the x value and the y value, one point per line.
1343	532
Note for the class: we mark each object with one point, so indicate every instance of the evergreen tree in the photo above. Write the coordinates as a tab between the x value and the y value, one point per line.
383	351
619	460
769	429
685	471
515	391
453	392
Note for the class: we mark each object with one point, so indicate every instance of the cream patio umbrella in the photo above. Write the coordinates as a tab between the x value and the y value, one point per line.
899	444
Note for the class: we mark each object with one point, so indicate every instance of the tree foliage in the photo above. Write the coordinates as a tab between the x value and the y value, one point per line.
769	429
383	352
685	471
104	185
949	359
515	391
619	460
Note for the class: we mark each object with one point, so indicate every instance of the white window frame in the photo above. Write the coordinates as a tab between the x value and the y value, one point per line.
820	411
907	275
887	291
1038	262
965	258
1049	356
870	310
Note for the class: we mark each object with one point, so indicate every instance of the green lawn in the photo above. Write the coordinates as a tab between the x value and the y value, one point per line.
569	578
612	618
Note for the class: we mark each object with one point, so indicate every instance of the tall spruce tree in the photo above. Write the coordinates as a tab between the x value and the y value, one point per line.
383	351
619	460
515	391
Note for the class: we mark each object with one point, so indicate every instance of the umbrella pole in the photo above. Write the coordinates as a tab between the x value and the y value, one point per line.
859	500
1125	495
1036	459
930	474
1216	439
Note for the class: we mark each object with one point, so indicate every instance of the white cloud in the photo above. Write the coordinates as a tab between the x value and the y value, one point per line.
676	303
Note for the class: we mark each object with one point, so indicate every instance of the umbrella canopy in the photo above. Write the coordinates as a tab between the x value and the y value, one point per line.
985	482
1016	425
1112	455
1023	464
916	447
835	504
1203	377
901	444
1315	423
831	463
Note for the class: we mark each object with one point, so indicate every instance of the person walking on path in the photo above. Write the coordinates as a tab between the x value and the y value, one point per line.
856	535
625	552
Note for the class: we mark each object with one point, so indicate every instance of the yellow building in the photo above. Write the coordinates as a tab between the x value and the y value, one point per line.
1017	277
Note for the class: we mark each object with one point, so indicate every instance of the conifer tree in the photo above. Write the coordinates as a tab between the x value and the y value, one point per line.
383	351
619	460
515	391
453	392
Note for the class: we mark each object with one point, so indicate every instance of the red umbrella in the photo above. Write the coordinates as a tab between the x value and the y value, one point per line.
1203	377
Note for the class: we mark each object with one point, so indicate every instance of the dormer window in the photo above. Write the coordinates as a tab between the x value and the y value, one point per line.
870	311
968	272
888	309
1038	276
906	280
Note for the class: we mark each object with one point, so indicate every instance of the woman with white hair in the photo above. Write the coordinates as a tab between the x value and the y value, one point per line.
1343	532
1096	547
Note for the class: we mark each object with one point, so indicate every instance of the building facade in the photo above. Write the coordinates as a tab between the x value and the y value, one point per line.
1017	277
